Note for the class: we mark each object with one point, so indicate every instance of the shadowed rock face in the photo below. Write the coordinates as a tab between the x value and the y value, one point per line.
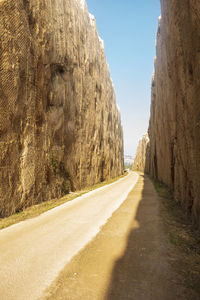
59	123
141	161
174	128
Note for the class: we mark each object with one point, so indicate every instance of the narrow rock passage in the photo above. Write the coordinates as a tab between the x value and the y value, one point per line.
131	257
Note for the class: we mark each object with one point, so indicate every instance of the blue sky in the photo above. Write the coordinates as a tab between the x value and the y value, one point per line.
128	29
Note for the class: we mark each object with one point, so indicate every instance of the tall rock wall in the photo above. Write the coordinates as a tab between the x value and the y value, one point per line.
142	157
175	108
59	122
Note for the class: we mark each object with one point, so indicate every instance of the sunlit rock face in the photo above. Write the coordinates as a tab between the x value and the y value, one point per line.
59	125
175	108
141	161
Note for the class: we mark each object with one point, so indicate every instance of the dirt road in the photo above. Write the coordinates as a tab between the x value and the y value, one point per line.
131	257
33	252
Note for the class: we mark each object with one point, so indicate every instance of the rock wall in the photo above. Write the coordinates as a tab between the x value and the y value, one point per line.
174	128
59	122
142	157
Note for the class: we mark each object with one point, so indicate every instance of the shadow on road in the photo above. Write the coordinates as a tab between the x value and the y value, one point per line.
144	271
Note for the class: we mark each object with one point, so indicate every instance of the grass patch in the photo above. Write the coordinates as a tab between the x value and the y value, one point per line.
175	208
162	189
38	209
183	236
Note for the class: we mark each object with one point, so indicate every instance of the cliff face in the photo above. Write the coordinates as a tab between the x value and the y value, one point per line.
59	124
175	108
142	157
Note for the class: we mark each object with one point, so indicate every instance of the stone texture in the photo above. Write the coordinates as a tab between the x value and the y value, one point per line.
59	122
142	157
174	128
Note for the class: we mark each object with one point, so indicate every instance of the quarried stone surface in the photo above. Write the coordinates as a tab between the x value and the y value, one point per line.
174	128
60	127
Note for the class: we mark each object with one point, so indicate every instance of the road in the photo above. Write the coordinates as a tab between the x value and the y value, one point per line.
131	258
33	252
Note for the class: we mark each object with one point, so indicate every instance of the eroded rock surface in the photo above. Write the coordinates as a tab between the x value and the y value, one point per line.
59	123
142	157
175	108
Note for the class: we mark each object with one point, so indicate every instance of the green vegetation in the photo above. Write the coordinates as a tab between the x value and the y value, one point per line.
54	163
182	234
38	209
65	184
162	189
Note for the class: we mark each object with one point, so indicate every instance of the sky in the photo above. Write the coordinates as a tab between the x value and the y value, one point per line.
128	29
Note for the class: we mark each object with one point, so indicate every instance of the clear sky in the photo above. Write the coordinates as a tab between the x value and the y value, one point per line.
128	29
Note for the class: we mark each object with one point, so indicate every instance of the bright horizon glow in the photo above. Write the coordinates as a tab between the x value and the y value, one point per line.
129	33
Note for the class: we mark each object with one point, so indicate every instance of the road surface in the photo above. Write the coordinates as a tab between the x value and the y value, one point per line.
130	259
33	252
